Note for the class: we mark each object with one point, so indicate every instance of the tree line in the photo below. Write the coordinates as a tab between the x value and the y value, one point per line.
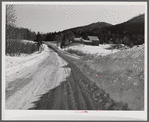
19	33
104	35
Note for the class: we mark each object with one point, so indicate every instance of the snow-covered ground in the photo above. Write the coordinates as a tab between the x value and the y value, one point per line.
27	41
99	50
15	64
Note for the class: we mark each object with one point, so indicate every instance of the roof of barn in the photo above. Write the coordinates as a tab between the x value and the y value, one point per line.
95	38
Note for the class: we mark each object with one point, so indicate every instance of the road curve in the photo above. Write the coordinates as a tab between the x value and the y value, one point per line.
56	83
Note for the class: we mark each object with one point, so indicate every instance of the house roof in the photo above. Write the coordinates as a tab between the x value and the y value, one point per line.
93	38
77	39
86	40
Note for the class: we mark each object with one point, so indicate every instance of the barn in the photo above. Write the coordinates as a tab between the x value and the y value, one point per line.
94	39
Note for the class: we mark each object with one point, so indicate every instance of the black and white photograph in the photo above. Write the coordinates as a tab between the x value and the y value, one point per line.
86	59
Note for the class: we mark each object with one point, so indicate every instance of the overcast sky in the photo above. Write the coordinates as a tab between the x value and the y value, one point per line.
50	18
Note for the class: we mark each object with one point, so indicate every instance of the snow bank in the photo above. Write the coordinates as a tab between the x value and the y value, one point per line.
16	64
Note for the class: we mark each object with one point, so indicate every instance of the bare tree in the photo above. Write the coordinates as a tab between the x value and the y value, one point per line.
11	16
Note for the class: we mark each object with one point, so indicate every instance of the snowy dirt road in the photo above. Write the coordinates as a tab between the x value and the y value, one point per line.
54	82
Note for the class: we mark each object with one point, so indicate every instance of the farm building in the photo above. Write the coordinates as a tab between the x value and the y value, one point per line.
87	42
94	39
77	40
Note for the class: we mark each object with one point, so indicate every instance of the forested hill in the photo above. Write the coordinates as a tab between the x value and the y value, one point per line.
132	26
130	32
77	31
90	27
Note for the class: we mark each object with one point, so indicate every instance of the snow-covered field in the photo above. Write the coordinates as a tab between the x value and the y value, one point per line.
99	50
15	64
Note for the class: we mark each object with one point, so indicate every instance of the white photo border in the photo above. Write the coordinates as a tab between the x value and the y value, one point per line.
71	114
